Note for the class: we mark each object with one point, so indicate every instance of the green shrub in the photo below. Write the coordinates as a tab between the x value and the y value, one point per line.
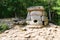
3	27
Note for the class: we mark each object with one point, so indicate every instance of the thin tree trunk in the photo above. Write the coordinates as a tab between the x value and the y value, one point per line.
15	15
49	10
49	15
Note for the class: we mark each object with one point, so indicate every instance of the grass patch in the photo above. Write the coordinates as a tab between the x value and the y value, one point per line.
3	27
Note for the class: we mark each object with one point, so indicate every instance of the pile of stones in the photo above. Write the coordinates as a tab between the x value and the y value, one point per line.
50	32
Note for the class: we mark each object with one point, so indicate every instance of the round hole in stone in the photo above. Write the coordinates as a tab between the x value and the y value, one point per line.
35	21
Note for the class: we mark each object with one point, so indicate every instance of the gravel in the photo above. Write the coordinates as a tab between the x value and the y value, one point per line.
50	32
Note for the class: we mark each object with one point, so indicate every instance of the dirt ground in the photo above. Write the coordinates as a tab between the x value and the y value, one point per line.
50	32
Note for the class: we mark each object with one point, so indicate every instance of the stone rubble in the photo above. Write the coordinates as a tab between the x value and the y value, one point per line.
51	32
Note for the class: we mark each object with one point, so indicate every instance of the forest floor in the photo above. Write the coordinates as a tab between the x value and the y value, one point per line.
50	32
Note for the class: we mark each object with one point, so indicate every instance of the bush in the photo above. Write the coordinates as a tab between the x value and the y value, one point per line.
3	27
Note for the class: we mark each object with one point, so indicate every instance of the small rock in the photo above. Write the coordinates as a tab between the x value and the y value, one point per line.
14	35
27	36
53	37
24	29
56	27
34	34
55	30
7	31
10	36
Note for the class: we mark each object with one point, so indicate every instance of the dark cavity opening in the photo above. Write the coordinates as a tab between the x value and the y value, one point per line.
35	21
43	22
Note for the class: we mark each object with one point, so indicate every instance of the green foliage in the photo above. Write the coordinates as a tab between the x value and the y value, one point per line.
3	27
57	8
12	8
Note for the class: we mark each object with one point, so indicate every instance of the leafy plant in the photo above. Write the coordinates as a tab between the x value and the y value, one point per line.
13	8
3	27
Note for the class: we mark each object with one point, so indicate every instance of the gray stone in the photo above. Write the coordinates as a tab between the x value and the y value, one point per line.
36	16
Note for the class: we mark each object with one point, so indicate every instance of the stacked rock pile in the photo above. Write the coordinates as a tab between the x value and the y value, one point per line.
50	32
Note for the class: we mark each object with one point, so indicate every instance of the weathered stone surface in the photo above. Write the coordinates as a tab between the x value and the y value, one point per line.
34	26
36	16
